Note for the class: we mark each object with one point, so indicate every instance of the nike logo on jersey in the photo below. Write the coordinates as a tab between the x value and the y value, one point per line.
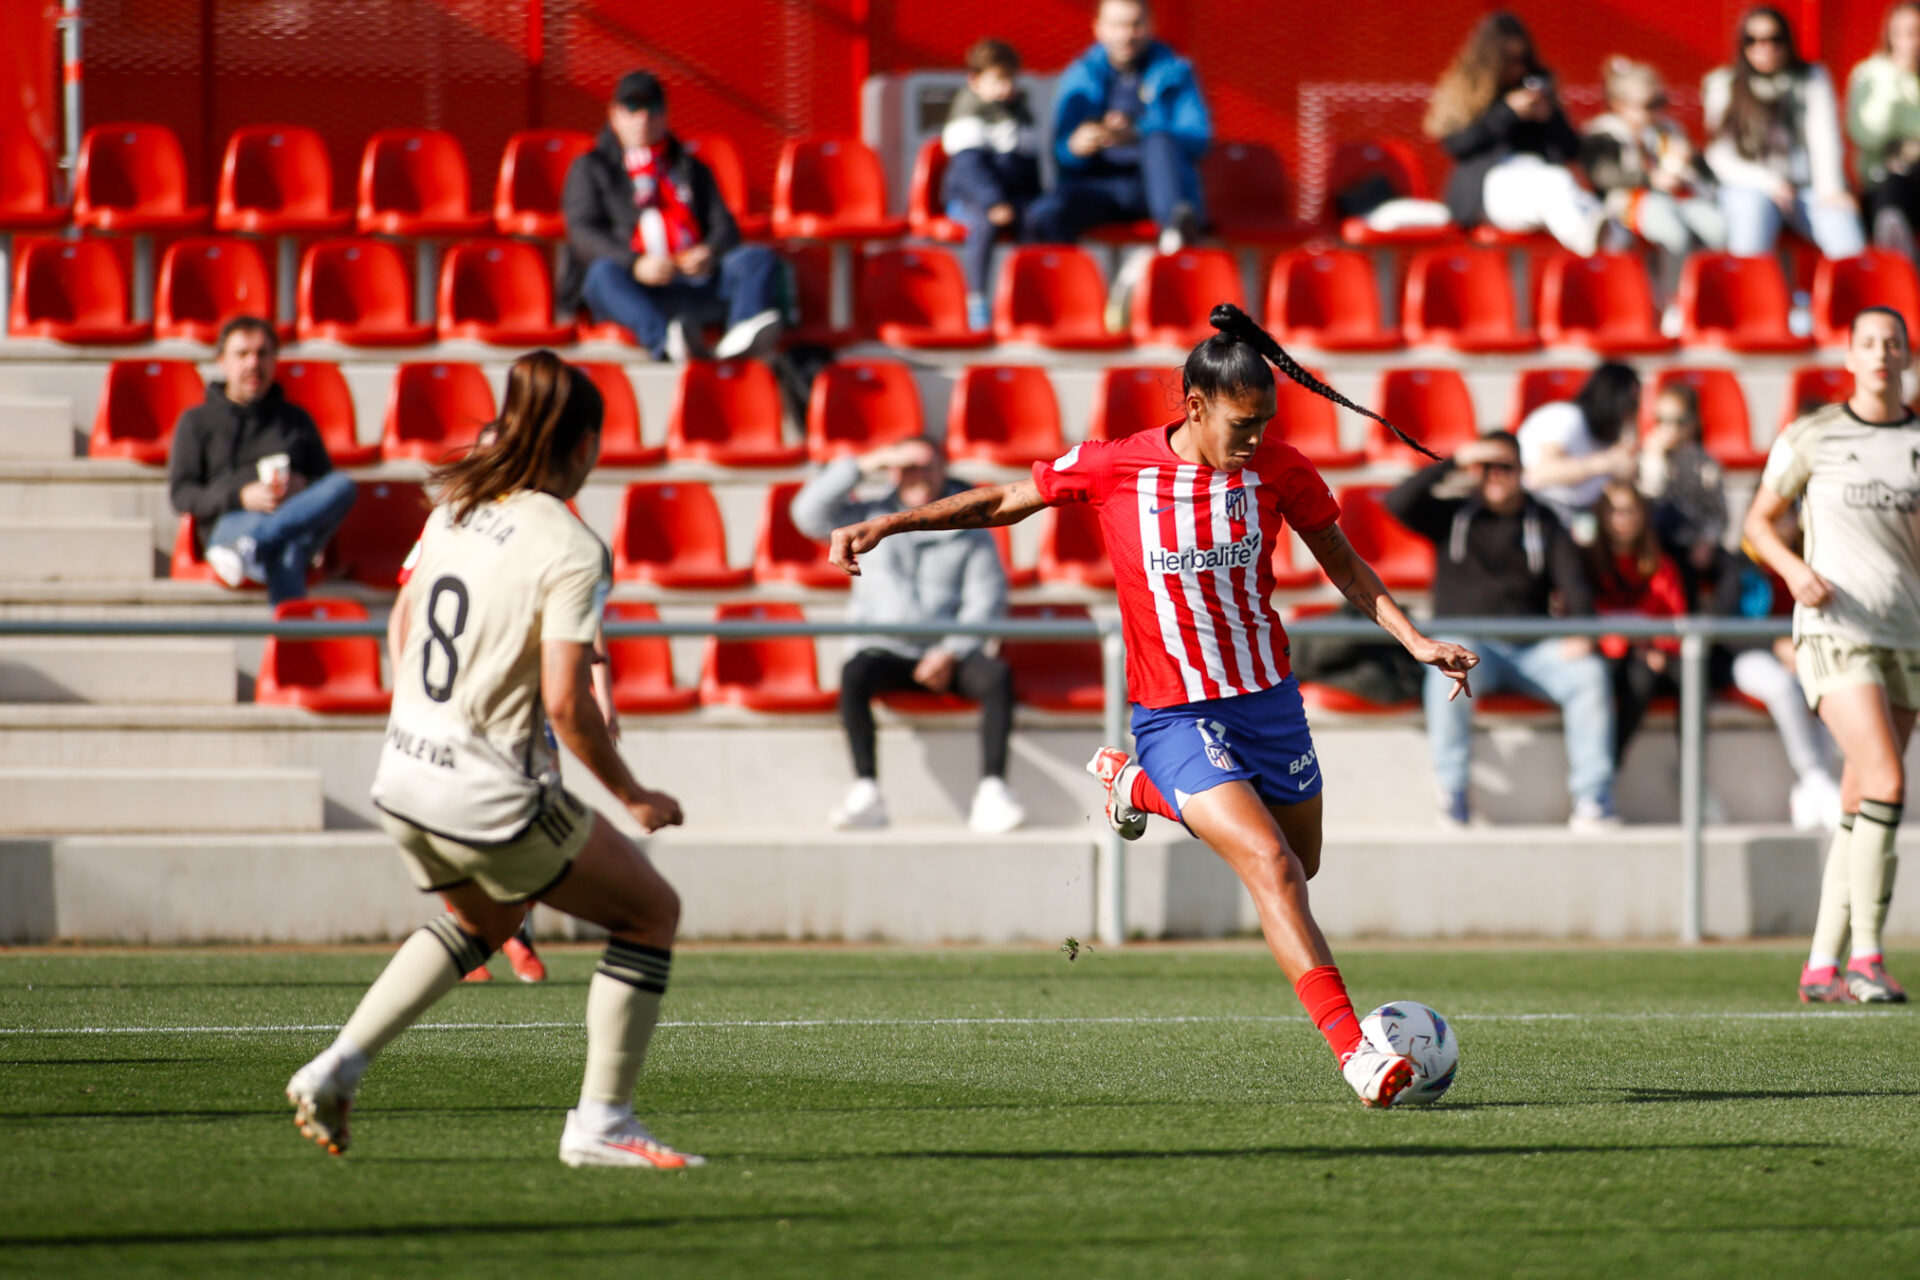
1307	782
1160	511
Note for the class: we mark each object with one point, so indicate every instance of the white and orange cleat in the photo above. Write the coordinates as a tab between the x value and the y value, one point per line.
1377	1077
526	962
630	1146
320	1107
1116	771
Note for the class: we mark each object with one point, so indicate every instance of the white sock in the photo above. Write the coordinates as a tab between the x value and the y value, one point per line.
1872	865
345	1061
602	1117
1836	899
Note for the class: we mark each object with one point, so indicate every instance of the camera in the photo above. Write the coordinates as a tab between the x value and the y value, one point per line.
1535	83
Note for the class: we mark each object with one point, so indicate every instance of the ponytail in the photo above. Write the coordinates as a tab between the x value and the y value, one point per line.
550	405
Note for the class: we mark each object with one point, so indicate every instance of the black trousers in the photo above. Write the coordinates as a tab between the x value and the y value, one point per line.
1635	684
982	679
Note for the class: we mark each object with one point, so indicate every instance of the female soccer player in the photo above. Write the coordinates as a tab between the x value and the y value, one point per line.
1855	467
1190	513
497	623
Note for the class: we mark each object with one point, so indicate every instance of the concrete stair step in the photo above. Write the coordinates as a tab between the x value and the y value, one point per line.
151	671
34	427
77	550
80	801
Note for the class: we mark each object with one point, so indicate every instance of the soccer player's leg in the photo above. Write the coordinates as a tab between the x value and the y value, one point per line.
1871	734
612	884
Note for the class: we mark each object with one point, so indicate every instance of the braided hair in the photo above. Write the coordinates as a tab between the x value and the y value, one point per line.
1235	359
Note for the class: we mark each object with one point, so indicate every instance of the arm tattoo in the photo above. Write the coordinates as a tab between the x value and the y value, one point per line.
973	509
1331	544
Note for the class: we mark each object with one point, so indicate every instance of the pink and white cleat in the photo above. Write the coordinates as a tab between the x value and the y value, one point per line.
1116	771
1377	1077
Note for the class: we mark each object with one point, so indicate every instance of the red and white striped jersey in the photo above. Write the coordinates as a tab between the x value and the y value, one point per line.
1192	552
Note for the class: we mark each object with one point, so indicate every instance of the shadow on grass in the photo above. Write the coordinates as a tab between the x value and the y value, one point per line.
396	1231
1422	1151
1756	1095
97	1062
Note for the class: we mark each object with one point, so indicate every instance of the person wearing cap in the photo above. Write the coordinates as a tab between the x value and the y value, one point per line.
652	247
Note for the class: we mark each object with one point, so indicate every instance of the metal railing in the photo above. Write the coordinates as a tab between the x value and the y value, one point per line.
1695	635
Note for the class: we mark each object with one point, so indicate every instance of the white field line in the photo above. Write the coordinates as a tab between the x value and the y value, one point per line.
801	1023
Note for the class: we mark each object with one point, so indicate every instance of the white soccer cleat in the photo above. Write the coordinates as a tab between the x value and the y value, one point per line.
631	1146
1377	1077
753	336
320	1107
995	811
1116	771
862	810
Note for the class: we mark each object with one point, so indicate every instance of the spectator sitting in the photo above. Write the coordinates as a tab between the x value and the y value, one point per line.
651	245
993	168
1686	491
1570	448
251	469
1496	113
1775	144
1883	119
1653	182
1129	128
928	577
1504	555
1633	578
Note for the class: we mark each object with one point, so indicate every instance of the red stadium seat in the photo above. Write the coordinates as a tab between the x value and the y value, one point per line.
1603	303
1326	697
1463	298
1310	424
643	666
276	179
380	529
861	405
1431	405
533	170
139	406
718	153
1247	194
357	292
1294	568
1055	296
187	564
413	182
1004	414
729	413
1535	387
1327	298
1843	287
1055	675
1132	398
73	291
498	292
318	387
620	442
1018	576
812	266
436	410
831	189
341	675
1726	427
914	297
1393	160
133	177
1072	548
926	212
1170	307
204	282
671	535
775	674
1737	303
1813	388
26	185
784	554
1401	557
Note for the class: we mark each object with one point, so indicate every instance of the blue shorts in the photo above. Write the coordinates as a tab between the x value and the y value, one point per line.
1261	737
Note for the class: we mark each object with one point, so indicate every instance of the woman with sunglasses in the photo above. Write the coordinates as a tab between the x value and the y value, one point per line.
1775	129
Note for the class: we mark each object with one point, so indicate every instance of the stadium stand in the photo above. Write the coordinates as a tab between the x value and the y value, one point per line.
139	405
1401	558
1463	298
1393	163
533	170
435	409
133	178
356	292
1310	424
1130	398
1327	298
1811	387
861	404
319	387
722	158
784	554
1072	549
1726	429
1053	296
276	179
926	216
1741	304
831	189
372	543
74	291
915	297
27	200
1171	305
1535	387
1430	404
1603	303
643	667
729	413
670	534
779	674
414	182
1247	194
1842	289
498	292
1004	414
620	440
1061	676
336	675
204	282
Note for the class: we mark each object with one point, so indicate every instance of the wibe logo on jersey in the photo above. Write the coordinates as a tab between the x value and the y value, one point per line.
1243	554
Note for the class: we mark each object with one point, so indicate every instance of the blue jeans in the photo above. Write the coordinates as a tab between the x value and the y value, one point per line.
1581	686
1154	188
1754	222
746	283
287	538
977	179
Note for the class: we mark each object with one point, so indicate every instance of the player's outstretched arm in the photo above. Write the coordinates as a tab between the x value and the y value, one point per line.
1358	582
982	508
566	687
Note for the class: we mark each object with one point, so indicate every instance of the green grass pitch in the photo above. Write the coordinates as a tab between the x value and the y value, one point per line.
1152	1112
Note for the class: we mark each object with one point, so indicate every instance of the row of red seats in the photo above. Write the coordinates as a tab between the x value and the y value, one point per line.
770	675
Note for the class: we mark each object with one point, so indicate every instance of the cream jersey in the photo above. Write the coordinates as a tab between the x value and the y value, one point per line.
1859	487
466	753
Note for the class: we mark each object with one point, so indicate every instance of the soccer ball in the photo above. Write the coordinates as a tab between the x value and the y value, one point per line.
1410	1028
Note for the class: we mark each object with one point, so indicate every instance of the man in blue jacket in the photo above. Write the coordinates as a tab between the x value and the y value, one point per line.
1129	128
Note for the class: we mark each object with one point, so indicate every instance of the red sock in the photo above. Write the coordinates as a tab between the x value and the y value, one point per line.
1147	796
1325	997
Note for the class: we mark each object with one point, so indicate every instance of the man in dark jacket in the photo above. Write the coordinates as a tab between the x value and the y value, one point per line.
652	247
252	471
1501	554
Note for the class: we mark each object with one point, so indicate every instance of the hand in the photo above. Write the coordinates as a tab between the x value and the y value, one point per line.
851	541
1783	195
1119	128
1701	555
1000	215
696	261
1657	661
1525	102
1666	180
1475	452
1808	587
902	453
653	270
935	670
259	496
293	484
1453	661
654	810
1574	648
1090	139
1621	459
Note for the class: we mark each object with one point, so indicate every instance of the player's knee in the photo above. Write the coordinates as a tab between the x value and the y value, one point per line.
1309	860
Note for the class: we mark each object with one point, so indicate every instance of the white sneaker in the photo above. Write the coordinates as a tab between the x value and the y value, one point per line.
630	1146
320	1107
1116	771
238	564
1377	1077
863	809
1672	321
753	336
1814	802
995	811
1593	815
